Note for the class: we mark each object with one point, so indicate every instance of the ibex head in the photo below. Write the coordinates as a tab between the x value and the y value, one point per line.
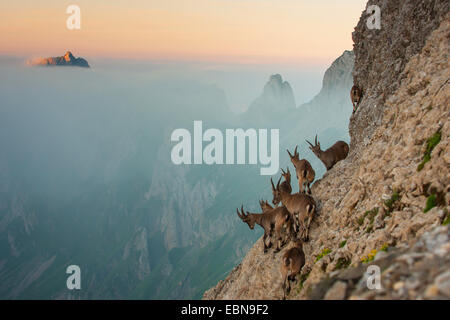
276	192
315	148
286	174
295	159
246	218
295	156
265	206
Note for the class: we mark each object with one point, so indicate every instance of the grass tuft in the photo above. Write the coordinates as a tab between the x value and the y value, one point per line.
389	203
342	263
431	143
302	280
431	203
322	254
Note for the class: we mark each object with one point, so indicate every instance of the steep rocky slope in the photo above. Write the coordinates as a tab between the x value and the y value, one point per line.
383	203
381	56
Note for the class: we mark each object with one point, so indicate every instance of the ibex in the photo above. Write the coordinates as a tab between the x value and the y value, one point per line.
286	184
355	95
288	226
332	155
265	206
305	172
291	264
271	221
301	207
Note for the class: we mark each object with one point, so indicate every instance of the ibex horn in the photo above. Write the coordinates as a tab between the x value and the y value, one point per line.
273	186
316	140
278	183
283	171
309	143
295	151
239	215
290	155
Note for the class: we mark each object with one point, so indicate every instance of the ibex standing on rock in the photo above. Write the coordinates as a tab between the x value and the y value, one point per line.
291	265
332	155
305	172
300	206
271	221
355	95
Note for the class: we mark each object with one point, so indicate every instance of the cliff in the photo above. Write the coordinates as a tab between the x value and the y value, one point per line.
388	202
336	84
327	113
66	60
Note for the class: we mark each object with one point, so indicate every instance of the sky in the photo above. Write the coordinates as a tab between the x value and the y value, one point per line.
237	31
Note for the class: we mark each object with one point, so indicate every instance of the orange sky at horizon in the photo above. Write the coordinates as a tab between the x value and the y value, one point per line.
243	31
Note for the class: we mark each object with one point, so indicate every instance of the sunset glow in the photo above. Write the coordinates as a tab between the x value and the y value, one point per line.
247	31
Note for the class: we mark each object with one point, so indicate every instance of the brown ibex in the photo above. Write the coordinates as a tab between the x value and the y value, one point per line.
332	155
305	172
301	207
286	184
273	221
355	95
288	226
291	265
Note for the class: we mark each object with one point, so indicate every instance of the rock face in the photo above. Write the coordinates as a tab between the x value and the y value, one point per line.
381	198
67	60
183	205
419	272
381	56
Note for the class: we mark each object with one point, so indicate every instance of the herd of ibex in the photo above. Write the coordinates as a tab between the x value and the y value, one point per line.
291	220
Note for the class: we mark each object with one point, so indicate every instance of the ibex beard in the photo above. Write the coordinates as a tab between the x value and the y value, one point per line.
235	139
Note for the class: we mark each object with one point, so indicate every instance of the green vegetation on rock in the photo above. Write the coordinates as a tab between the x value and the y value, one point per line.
431	143
389	203
322	254
431	203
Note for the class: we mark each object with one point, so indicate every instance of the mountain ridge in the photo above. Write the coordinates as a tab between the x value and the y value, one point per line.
68	59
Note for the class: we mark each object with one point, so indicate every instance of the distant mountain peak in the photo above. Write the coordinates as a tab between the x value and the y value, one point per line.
278	90
277	97
66	60
68	57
